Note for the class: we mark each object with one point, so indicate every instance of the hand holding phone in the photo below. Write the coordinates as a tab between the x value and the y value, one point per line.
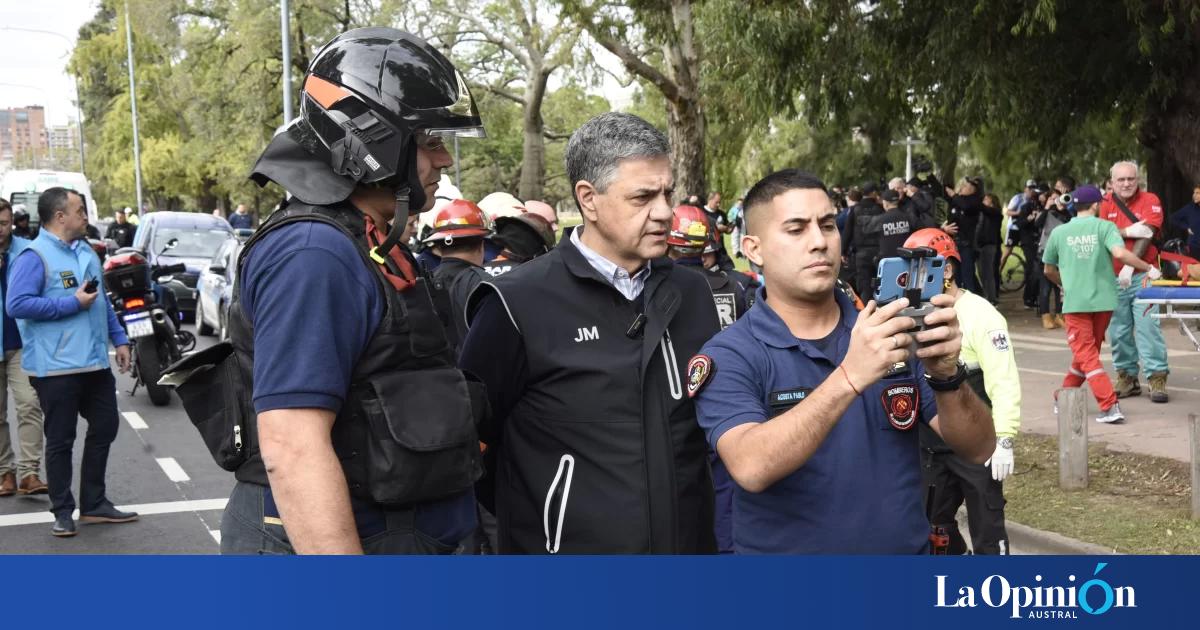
91	286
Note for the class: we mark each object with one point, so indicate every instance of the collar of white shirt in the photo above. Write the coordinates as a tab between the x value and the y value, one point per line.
628	285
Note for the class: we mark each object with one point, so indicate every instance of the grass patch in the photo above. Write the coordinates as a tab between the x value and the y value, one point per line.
1134	503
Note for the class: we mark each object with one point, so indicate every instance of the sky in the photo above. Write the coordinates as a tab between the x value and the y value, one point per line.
32	65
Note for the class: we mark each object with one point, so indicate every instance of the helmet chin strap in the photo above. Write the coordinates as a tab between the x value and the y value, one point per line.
380	252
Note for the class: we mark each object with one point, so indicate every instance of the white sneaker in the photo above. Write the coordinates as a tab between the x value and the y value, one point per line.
1112	416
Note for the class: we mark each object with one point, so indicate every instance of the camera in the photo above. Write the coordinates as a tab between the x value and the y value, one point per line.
1064	199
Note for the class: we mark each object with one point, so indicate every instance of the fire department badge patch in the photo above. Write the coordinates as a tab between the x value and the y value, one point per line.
1000	340
900	405
700	368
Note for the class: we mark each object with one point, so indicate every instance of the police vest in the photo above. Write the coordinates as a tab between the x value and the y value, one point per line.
407	430
602	453
76	343
864	237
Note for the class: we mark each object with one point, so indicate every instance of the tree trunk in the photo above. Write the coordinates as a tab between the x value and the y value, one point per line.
685	113
533	158
685	126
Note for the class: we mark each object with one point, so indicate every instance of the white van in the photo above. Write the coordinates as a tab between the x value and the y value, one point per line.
24	187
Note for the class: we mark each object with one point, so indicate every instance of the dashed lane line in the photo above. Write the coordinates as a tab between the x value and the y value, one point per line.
172	468
144	509
135	420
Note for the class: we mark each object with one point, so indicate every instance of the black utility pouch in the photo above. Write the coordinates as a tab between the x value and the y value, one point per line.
423	443
211	388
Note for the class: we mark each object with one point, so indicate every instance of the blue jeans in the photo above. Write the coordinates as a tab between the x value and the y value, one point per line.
251	526
967	281
1135	334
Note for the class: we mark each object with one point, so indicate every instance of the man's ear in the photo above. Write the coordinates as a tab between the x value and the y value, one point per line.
751	248
585	195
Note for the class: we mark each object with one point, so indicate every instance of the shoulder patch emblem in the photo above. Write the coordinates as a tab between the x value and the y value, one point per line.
699	370
900	403
999	340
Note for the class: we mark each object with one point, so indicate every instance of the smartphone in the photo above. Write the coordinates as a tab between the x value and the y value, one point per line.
91	285
893	277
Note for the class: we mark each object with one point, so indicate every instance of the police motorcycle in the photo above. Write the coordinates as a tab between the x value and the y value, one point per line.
150	317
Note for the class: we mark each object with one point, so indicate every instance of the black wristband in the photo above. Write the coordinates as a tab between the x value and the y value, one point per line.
950	384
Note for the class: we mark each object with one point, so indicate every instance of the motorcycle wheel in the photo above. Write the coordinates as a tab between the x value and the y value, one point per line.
149	371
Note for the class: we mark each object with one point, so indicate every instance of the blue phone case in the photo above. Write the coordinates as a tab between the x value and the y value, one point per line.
893	278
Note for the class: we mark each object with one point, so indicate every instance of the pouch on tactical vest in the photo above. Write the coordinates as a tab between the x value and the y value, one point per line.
211	389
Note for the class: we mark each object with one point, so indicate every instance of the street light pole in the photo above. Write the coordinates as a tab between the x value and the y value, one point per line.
137	154
908	143
79	125
285	34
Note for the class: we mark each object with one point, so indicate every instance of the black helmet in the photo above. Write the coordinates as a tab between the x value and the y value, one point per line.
524	236
369	96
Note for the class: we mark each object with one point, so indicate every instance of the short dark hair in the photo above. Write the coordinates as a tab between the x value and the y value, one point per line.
1068	180
775	184
53	200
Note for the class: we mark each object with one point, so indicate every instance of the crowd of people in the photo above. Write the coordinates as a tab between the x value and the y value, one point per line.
621	388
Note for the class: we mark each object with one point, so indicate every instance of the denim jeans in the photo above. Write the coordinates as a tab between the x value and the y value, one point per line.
1135	334
249	526
967	251
63	399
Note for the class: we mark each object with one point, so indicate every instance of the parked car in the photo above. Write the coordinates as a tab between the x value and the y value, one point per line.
198	237
215	289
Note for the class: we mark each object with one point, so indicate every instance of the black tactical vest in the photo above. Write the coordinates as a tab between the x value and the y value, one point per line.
407	430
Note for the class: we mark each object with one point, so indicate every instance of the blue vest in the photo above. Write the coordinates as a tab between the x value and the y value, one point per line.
77	343
15	247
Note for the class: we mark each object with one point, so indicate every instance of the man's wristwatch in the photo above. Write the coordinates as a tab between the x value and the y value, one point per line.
1005	442
950	384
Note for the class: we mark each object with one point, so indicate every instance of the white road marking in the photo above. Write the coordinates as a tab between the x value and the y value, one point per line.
216	534
144	509
1063	373
172	468
135	420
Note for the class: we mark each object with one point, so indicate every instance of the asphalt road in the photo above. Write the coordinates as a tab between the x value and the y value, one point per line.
158	466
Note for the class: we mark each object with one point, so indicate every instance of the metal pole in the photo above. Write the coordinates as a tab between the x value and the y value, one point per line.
908	144
457	174
137	154
285	32
79	125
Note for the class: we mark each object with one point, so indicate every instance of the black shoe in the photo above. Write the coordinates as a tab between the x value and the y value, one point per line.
64	526
108	514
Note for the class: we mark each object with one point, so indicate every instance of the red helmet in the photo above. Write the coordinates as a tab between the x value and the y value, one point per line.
459	219
935	239
689	228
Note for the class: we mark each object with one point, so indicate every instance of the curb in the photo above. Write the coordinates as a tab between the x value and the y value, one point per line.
1028	540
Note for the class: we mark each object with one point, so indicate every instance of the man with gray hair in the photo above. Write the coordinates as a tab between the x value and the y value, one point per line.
1134	330
592	433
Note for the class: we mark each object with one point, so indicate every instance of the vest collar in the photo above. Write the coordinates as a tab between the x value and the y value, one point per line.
49	237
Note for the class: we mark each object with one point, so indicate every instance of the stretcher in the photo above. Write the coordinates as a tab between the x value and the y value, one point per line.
1178	301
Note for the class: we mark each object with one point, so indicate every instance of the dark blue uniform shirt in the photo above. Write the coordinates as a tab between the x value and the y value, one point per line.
314	307
860	492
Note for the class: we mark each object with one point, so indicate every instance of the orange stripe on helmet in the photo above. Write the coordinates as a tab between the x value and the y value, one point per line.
326	94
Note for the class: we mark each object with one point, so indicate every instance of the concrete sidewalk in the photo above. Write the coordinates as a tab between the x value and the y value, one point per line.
1153	429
